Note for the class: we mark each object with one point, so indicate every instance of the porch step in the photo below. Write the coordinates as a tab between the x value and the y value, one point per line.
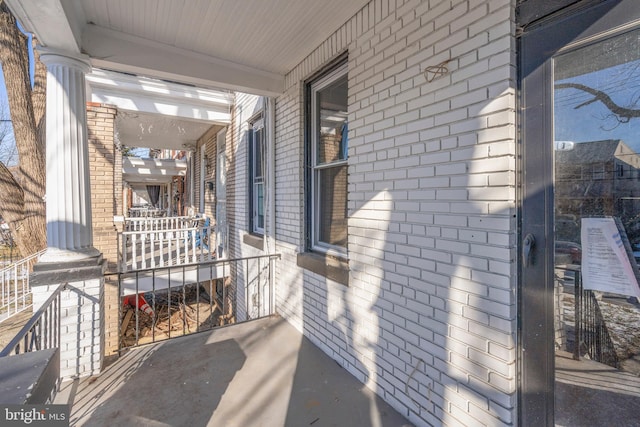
30	378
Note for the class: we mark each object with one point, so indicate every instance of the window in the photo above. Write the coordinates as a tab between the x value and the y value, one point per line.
327	189
256	175
597	172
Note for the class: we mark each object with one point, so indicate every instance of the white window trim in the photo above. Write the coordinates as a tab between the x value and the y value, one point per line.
255	125
315	87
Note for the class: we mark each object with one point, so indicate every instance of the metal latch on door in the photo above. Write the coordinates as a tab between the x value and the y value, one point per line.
527	249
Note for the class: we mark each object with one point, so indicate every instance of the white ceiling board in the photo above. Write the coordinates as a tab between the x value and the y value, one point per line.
122	52
246	45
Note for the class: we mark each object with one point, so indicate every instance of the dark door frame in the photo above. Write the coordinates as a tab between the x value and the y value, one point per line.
538	43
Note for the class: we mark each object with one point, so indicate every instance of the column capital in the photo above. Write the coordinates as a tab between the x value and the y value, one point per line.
51	57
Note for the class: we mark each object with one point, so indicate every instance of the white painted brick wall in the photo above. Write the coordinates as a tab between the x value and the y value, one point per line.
431	209
247	107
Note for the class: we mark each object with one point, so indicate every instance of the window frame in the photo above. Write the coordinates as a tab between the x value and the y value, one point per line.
256	130
313	194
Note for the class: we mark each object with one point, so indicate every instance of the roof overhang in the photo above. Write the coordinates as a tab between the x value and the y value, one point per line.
169	66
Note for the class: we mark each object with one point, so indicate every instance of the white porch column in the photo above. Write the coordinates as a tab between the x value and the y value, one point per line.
69	230
70	258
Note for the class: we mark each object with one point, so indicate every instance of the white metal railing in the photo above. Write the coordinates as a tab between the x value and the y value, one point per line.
169	247
15	291
42	330
163	223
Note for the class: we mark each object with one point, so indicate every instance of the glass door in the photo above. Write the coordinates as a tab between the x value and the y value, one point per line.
579	332
596	94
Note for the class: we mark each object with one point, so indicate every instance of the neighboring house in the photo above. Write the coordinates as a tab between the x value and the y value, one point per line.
397	154
598	178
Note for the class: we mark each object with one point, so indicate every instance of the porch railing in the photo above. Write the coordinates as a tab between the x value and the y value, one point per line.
15	292
146	211
42	331
162	303
163	223
144	249
590	335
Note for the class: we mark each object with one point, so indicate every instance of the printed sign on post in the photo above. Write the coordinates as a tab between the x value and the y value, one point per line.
605	261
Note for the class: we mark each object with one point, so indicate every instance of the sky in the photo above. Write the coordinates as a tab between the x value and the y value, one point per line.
594	121
8	143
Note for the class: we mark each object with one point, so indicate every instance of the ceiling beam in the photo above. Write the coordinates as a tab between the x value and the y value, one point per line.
117	51
135	169
47	20
140	94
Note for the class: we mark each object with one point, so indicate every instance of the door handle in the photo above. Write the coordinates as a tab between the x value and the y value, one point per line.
528	244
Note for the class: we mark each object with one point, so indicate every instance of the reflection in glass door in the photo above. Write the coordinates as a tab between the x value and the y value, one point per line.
596	152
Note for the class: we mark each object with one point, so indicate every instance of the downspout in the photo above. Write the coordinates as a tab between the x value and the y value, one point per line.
271	191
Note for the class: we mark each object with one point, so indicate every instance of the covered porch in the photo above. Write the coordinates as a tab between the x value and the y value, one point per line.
415	294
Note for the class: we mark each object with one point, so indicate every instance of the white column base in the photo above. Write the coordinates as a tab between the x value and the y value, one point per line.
56	255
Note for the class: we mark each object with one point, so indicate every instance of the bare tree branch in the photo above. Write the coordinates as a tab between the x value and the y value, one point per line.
622	114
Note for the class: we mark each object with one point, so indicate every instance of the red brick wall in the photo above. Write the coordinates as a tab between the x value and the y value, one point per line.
105	165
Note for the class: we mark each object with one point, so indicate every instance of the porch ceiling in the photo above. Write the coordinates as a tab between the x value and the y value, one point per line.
247	46
151	171
154	113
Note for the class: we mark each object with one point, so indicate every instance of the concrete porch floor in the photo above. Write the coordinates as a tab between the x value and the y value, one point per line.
260	373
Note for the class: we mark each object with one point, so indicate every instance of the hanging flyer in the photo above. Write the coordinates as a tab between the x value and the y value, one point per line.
605	261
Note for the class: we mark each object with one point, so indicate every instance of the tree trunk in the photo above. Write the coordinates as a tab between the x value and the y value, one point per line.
39	95
23	207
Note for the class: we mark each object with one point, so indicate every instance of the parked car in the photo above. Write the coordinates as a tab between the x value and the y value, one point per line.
570	249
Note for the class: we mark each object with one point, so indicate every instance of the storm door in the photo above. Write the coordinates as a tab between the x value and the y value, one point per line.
579	331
